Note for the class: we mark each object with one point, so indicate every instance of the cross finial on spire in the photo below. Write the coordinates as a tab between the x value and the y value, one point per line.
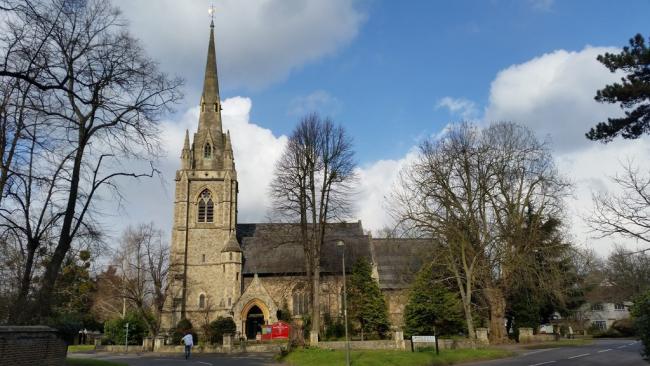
211	11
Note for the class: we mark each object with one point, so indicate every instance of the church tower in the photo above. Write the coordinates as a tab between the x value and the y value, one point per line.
206	259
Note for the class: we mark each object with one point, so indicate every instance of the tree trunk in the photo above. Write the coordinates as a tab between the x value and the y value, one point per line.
497	303
18	313
315	316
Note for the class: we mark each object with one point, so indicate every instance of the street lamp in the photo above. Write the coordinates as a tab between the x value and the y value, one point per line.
341	244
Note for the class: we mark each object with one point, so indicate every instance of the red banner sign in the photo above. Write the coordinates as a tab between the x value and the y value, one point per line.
279	330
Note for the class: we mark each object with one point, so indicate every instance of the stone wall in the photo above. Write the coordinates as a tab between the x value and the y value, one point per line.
383	344
33	345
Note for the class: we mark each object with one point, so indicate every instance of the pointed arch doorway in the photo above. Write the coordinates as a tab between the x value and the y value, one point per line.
254	315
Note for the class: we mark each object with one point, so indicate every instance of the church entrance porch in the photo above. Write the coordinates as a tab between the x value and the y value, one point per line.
254	322
254	315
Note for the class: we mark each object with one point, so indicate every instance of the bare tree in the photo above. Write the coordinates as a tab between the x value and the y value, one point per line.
143	264
483	194
313	185
99	98
626	214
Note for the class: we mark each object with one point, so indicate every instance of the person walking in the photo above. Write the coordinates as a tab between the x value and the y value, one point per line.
188	341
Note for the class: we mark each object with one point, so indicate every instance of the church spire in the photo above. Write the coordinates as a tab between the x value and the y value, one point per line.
210	102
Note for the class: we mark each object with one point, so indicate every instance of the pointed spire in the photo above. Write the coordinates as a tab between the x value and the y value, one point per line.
210	101
186	144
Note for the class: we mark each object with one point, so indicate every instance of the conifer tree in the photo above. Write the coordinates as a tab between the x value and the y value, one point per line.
366	303
430	305
633	93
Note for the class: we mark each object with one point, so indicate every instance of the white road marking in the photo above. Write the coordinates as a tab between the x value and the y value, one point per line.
205	363
582	355
543	363
623	346
604	350
538	351
629	344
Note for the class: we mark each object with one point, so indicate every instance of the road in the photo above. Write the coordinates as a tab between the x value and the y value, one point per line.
250	359
610	352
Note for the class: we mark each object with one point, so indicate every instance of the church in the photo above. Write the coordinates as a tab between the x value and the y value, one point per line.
251	271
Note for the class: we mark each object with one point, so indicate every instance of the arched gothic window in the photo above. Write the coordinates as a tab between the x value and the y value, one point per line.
201	301
206	207
207	151
300	301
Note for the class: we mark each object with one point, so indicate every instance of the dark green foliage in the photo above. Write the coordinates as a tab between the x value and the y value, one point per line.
431	304
183	327
115	329
284	314
366	304
334	328
633	93
641	314
219	327
68	325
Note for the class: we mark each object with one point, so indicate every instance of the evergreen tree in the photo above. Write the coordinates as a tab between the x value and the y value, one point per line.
641	315
633	93
366	303
431	304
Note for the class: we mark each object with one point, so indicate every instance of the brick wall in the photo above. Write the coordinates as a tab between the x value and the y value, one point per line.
33	346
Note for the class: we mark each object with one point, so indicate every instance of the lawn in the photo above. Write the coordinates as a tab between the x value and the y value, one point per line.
89	362
563	343
81	348
318	357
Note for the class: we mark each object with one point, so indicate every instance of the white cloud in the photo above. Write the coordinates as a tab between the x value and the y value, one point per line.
459	106
318	101
554	95
256	149
258	41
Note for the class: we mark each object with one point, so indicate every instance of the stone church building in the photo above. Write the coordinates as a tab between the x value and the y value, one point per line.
249	272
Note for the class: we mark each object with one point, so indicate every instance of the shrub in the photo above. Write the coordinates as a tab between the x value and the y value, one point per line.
641	315
625	327
334	329
183	327
115	329
219	327
68	325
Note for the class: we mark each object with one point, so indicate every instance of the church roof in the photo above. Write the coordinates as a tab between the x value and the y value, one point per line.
275	248
399	260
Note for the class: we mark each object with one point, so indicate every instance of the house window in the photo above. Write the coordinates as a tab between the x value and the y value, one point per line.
203	258
597	307
201	301
237	277
206	207
619	307
207	151
599	324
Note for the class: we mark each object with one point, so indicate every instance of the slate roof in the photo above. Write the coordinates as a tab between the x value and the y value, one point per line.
399	260
274	249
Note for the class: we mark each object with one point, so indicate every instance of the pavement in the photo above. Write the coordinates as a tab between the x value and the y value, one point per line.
610	352
243	359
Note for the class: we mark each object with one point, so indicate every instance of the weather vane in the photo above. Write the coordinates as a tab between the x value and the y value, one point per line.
211	11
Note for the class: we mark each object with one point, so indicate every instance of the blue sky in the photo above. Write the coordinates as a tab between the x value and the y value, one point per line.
393	73
408	55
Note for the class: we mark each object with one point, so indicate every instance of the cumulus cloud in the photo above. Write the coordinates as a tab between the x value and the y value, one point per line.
258	41
541	5
554	95
256	149
459	106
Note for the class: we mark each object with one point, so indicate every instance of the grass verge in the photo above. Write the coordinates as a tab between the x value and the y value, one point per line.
563	343
318	357
90	362
81	348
